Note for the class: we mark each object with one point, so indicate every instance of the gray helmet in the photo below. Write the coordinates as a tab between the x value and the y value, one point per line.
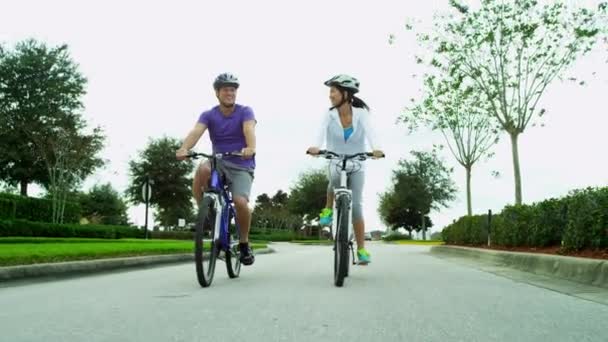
344	81
225	80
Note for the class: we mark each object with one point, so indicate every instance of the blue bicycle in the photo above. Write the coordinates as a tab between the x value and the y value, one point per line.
214	233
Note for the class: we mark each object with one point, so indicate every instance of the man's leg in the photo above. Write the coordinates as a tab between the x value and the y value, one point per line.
243	217
240	187
201	179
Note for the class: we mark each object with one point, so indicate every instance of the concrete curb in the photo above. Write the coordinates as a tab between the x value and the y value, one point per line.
581	270
93	266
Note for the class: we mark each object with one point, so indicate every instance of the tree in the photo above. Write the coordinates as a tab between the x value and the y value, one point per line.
460	112
280	199
512	50
421	185
39	87
69	155
273	213
309	194
171	191
104	205
400	206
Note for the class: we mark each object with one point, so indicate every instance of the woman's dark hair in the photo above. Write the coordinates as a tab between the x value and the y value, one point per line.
350	97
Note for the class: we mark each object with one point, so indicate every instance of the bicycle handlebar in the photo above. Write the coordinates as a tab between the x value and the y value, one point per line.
333	155
196	155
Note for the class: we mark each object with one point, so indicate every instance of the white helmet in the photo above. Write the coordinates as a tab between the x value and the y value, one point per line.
344	81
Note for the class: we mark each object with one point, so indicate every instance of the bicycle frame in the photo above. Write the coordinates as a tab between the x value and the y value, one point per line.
339	192
217	190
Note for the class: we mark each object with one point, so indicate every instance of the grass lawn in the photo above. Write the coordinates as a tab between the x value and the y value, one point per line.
24	251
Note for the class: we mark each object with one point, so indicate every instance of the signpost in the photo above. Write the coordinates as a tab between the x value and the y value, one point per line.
146	194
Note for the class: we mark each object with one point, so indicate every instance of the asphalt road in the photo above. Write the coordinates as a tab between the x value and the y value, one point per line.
406	294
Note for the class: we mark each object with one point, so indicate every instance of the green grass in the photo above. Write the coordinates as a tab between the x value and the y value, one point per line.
25	251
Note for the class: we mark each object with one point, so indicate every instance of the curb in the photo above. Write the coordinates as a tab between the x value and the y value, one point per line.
94	266
581	270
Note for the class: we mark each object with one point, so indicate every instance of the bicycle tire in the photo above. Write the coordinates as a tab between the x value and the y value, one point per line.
341	256
205	227
233	255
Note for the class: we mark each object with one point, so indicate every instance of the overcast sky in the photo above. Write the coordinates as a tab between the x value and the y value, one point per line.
150	66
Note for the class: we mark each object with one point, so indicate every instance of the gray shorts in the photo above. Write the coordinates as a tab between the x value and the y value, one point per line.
239	179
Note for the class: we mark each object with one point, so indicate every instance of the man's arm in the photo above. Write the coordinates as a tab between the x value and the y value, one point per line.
195	134
249	131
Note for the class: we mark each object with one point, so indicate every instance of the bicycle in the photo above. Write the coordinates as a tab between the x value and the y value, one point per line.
342	228
216	211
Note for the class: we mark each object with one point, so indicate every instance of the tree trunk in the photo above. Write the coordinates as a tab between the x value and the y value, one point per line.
516	171
469	201
423	227
23	187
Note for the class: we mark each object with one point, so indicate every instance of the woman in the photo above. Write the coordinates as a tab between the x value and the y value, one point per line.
345	129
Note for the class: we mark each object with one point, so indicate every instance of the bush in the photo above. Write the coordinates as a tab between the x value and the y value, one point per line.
172	235
587	219
396	237
7	208
576	222
274	235
549	222
515	227
466	230
39	229
36	209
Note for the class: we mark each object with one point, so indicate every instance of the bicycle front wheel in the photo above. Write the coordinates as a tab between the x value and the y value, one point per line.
233	256
341	244
205	248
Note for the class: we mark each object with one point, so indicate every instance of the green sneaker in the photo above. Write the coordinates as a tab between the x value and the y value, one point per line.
363	256
325	218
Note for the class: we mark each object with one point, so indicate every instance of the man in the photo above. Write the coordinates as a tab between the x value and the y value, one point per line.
231	128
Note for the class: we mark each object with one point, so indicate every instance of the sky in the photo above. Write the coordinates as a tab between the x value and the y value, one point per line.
150	66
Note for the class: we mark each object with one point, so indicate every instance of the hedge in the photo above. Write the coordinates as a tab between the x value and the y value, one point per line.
396	237
25	228
575	222
35	209
276	235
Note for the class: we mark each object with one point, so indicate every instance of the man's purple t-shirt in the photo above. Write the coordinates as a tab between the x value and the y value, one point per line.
226	132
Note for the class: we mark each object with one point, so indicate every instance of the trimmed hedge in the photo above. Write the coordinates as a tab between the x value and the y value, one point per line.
38	229
8	208
272	235
467	230
396	237
35	209
578	221
172	235
254	235
587	220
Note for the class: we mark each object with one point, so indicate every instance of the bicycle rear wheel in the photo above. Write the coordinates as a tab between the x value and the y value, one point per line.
205	256
341	244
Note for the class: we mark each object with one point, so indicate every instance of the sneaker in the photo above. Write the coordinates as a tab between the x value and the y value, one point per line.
247	257
363	256
325	218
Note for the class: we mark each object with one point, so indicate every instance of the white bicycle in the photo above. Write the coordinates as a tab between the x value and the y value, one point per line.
342	231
